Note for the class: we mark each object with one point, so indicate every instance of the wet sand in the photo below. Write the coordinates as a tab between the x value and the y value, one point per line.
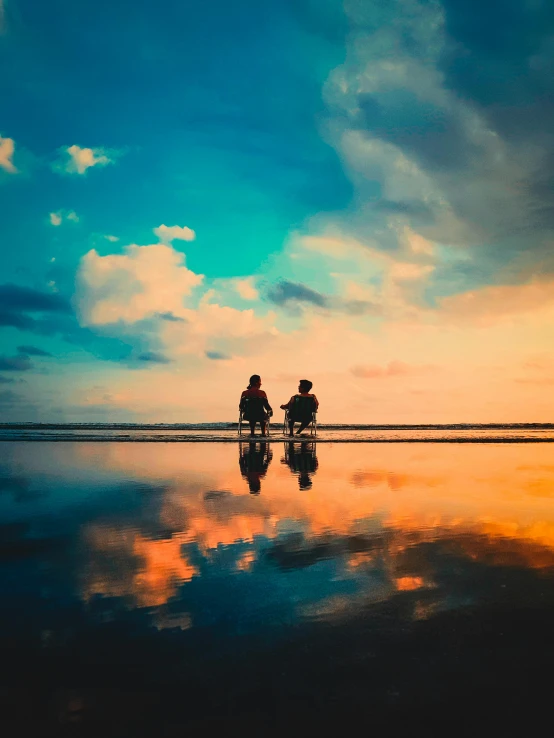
304	588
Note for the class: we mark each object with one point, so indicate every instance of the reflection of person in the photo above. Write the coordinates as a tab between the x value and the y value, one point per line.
254	459
254	405
302	460
301	407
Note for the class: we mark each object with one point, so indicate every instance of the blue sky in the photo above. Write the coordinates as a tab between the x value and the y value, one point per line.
211	111
362	169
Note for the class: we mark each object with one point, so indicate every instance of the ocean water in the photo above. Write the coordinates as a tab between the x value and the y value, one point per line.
287	588
222	432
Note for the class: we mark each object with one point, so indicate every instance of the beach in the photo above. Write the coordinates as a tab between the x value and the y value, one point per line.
293	587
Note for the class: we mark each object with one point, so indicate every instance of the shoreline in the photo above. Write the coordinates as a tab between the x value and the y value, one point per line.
270	439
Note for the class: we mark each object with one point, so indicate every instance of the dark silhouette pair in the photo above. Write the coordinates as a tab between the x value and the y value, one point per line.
255	408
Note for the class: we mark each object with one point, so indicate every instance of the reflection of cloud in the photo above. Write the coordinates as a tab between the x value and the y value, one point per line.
487	502
246	561
408	584
124	563
393	480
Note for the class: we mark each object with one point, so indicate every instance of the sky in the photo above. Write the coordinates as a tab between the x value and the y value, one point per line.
358	193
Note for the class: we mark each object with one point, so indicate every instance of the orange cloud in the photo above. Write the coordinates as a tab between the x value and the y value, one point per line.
7	148
392	369
78	159
495	302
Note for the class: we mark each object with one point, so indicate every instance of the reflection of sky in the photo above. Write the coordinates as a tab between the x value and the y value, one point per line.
171	532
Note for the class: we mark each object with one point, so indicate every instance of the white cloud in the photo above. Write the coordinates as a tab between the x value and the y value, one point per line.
7	148
167	234
58	217
149	283
140	283
76	160
391	284
111	239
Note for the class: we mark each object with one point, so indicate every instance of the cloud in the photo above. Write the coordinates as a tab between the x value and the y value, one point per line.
8	398
295	295
285	292
27	299
33	351
436	138
142	282
354	277
149	298
7	148
153	357
216	356
539	382
493	303
6	380
57	218
245	289
167	234
171	318
15	363
392	369
77	160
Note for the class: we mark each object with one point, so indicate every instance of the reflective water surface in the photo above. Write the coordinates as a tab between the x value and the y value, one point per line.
277	587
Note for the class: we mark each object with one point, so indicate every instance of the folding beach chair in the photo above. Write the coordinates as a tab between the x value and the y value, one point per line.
252	407
303	409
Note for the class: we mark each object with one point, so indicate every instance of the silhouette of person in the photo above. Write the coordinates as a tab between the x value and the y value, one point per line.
302	461
255	406
254	460
301	407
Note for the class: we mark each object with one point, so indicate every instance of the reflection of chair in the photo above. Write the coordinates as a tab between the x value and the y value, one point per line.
303	411
302	461
254	460
252	408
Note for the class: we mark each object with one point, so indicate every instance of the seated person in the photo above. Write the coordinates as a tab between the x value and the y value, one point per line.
254	405
301	407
